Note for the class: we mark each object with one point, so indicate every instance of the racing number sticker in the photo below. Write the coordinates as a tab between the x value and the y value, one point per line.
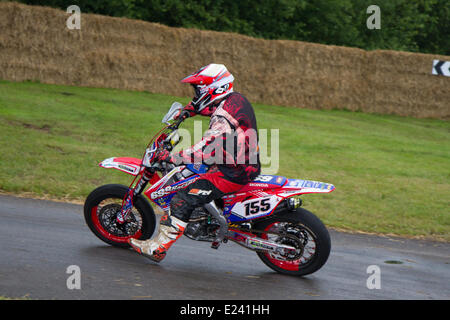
257	206
263	178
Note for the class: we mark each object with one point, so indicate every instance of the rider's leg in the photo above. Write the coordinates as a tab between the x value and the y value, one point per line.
194	195
198	193
210	186
170	229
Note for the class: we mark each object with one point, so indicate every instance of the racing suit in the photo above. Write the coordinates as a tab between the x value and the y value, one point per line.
230	147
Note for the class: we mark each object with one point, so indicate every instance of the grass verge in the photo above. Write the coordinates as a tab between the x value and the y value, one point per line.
392	174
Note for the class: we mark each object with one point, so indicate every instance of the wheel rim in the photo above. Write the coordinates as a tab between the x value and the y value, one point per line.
103	216
305	236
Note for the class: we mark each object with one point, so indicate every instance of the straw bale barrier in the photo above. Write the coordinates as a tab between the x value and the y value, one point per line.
35	44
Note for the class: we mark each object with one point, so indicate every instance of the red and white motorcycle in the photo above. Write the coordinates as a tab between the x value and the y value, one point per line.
264	216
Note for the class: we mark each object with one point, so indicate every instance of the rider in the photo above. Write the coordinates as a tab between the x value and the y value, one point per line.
230	146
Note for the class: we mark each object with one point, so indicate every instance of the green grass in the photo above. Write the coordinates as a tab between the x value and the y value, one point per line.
3	298
392	174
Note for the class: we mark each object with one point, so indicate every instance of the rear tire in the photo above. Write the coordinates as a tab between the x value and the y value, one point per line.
313	236
100	210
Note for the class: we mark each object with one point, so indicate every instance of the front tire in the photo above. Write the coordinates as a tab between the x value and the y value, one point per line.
100	212
313	241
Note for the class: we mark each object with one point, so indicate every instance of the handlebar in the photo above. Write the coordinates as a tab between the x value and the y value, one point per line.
183	116
156	166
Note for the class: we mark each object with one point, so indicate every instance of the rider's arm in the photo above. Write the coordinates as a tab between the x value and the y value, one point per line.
190	108
210	149
192	112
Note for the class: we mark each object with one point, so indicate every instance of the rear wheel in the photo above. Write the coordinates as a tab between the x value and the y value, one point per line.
302	230
100	212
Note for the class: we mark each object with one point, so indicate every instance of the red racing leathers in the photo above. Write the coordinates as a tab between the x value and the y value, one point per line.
231	141
229	147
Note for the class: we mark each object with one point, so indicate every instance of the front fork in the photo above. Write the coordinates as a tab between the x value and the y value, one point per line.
132	193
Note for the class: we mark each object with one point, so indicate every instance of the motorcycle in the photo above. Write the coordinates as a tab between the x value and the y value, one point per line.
264	216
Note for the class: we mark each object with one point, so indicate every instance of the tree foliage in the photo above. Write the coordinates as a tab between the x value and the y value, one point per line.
408	25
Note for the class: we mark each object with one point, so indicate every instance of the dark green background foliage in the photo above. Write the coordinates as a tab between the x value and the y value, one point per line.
407	25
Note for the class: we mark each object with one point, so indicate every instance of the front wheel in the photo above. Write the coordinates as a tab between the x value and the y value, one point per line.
302	230
100	212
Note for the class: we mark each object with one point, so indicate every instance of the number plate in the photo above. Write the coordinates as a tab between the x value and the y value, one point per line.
255	207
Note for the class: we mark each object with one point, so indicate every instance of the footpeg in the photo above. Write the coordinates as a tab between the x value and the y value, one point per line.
215	245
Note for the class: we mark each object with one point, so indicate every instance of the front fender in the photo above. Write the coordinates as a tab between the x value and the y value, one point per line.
125	164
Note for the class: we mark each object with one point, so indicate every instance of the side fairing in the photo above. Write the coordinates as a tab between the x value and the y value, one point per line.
261	197
251	206
298	186
162	192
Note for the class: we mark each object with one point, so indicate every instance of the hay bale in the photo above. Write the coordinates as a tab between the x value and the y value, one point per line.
35	44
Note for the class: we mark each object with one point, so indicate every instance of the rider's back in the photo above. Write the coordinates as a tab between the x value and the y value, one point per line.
242	145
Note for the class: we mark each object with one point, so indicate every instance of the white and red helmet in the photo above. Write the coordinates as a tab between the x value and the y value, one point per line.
211	83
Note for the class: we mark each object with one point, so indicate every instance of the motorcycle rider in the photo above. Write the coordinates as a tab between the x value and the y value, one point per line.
230	146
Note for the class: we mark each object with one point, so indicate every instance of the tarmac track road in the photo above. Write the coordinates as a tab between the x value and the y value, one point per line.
40	239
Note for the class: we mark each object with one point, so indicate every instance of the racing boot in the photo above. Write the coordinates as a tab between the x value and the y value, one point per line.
170	229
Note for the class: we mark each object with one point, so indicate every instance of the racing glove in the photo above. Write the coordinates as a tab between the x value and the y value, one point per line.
187	111
164	155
